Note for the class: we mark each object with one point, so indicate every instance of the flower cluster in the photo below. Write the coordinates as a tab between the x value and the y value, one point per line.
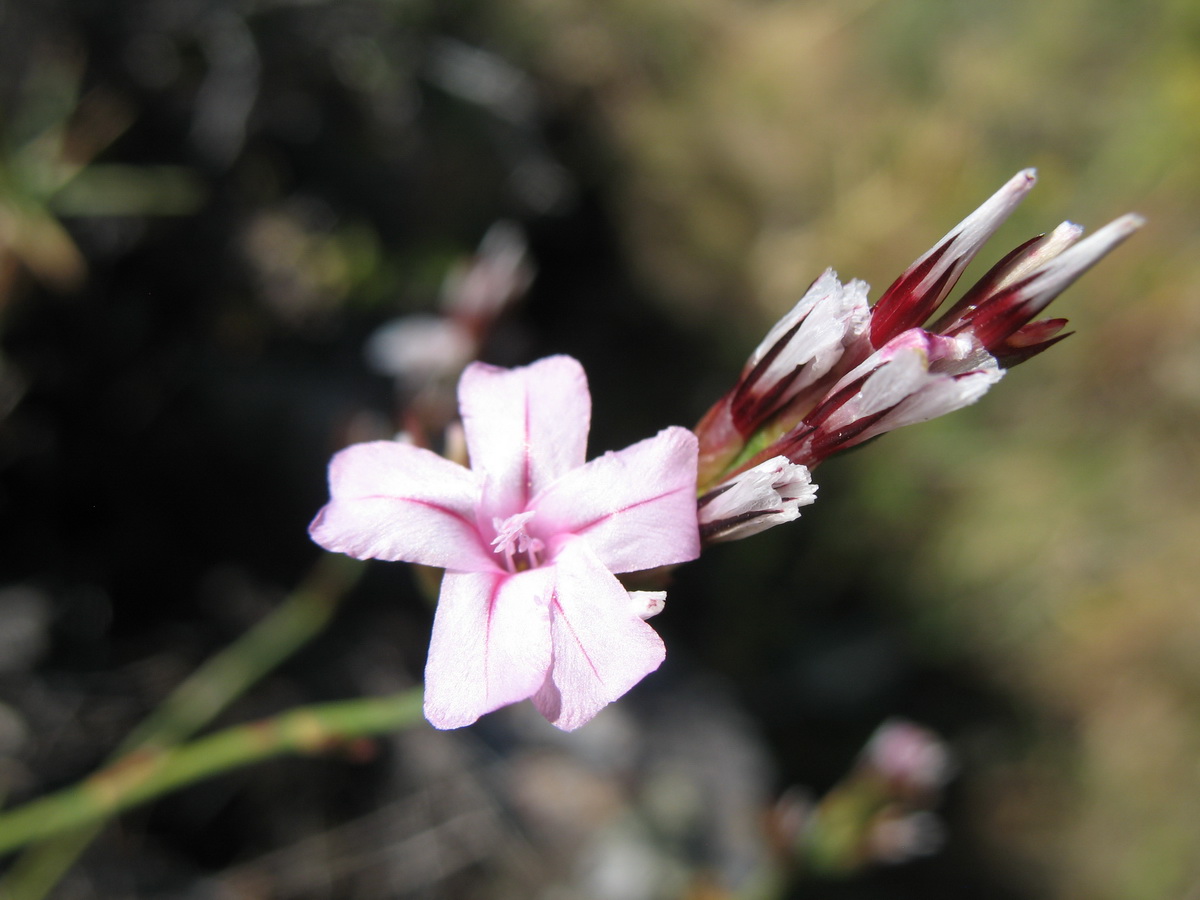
531	536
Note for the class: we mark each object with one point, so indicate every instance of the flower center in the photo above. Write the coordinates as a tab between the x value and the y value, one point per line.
521	550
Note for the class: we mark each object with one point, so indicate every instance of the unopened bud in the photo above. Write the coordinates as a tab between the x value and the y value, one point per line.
760	498
916	294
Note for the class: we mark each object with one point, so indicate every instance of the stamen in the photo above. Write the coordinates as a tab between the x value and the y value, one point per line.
512	539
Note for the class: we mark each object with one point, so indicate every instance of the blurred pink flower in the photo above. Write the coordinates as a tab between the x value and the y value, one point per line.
530	537
422	348
914	761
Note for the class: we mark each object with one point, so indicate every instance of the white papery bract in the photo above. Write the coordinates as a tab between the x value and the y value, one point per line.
760	498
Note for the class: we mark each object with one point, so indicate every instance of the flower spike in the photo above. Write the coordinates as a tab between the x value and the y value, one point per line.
824	380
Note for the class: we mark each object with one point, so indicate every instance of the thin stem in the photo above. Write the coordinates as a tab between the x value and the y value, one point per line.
226	676
149	773
198	700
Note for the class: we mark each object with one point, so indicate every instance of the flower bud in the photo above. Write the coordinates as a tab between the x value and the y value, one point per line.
916	377
788	371
920	290
999	310
760	498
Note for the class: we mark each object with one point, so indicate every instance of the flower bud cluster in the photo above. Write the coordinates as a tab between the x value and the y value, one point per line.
834	372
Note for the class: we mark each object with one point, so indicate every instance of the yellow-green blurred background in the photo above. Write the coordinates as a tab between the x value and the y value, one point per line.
1052	533
1047	539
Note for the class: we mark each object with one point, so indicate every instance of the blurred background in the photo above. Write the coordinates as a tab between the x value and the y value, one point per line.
208	208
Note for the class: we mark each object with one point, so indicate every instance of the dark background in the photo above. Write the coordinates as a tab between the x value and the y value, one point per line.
262	185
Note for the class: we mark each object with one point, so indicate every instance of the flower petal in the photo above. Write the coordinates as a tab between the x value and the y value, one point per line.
490	644
601	646
419	347
525	427
941	394
394	501
636	508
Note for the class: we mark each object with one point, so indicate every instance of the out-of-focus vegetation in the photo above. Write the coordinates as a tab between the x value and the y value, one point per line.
1049	535
273	181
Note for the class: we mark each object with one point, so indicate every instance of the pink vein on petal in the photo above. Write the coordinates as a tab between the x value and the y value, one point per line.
454	514
580	529
487	640
574	636
428	504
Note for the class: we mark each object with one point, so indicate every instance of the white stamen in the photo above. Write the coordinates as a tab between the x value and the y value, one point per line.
513	538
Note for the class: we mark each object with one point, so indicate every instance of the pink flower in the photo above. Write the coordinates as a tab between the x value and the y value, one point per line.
530	537
913	761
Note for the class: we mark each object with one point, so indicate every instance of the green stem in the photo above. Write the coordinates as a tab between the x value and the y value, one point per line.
226	676
149	773
198	700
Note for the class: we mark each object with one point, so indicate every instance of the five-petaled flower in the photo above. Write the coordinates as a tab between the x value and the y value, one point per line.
530	537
